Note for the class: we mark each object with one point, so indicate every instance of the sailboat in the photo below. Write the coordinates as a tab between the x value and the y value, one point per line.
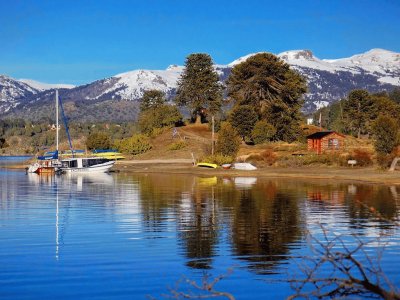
52	164
48	163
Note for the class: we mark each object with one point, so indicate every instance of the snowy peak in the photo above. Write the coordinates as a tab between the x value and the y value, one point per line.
328	80
41	86
11	91
375	60
242	59
131	85
298	55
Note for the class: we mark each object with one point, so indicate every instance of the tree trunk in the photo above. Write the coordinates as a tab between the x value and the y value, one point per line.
198	119
394	163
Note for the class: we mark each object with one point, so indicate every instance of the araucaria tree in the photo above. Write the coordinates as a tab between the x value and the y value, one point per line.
243	118
357	109
152	99
199	88
275	91
385	130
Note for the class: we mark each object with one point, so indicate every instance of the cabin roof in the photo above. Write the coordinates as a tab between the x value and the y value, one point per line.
321	134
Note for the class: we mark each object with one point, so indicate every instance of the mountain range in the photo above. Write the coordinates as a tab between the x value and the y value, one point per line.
116	98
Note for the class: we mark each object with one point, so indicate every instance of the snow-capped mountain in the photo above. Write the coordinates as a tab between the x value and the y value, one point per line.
328	81
41	86
332	79
131	85
12	92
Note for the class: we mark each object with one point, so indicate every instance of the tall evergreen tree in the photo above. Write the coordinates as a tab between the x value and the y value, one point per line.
243	118
267	83
385	130
152	99
199	87
357	110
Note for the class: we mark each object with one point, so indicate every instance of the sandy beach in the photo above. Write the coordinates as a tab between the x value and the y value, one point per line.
181	166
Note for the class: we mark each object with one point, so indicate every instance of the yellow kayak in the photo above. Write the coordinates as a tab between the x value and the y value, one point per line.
207	165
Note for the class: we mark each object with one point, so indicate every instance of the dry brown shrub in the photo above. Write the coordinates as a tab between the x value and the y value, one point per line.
267	157
363	158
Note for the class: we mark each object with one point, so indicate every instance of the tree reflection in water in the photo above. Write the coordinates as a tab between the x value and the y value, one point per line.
263	227
262	220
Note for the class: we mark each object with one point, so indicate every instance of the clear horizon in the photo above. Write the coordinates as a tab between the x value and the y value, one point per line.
77	43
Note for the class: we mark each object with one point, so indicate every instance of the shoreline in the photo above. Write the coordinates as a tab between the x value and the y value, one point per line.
184	166
367	175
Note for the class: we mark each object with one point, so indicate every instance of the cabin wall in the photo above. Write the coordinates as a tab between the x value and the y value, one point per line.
330	142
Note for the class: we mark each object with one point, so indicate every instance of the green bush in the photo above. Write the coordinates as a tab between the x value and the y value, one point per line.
177	145
134	145
159	117
98	140
218	159
228	141
262	132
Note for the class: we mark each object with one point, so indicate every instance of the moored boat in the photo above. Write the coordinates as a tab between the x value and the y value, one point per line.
46	164
86	164
244	166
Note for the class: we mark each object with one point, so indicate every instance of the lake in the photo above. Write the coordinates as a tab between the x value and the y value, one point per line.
130	236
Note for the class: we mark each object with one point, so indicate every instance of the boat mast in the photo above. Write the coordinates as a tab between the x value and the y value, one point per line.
56	120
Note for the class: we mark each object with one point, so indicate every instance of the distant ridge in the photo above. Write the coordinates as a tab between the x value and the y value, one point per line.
328	80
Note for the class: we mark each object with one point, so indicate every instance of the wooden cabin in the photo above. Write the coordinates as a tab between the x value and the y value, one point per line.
325	140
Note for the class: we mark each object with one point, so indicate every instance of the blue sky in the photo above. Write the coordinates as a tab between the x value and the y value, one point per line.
79	41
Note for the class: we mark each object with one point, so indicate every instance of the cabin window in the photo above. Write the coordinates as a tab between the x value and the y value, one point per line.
333	144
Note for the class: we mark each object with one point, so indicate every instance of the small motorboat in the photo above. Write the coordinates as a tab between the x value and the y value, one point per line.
244	166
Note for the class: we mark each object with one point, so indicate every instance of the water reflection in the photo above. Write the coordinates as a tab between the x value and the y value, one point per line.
148	220
265	218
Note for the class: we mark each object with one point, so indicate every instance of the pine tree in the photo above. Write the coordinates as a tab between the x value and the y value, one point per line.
199	87
243	118
228	142
357	110
267	83
152	99
386	131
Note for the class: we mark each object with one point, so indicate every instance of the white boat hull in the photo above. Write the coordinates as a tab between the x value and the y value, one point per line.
244	166
100	168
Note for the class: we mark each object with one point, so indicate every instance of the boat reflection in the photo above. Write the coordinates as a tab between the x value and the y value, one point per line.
245	182
71	178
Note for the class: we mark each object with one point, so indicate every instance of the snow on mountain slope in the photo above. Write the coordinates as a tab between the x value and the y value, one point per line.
131	85
306	59
41	86
134	83
376	60
12	91
328	80
332	79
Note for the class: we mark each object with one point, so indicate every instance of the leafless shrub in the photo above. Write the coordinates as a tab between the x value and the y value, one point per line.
205	289
340	268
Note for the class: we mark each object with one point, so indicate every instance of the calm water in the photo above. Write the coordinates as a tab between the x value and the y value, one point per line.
128	236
